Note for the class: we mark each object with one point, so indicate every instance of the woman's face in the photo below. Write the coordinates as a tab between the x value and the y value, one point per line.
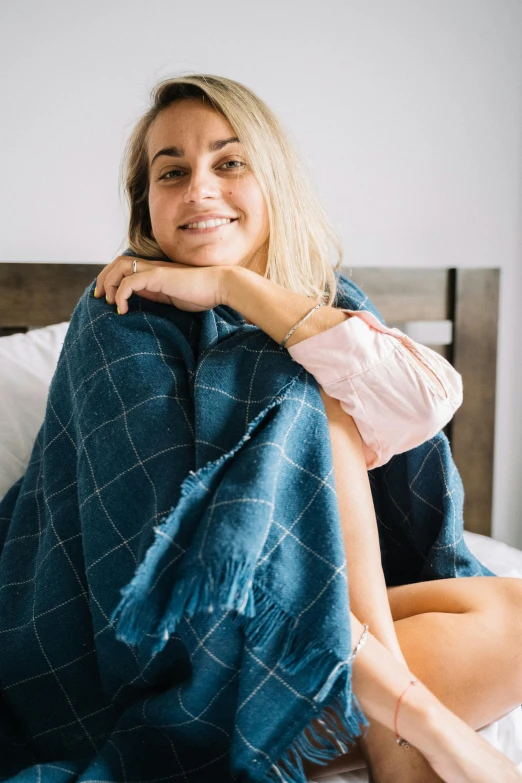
190	182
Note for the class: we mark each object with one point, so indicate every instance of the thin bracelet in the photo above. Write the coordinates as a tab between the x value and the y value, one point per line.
361	641
400	741
326	687
292	330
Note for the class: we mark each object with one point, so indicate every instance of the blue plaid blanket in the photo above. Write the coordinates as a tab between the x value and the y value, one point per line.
174	595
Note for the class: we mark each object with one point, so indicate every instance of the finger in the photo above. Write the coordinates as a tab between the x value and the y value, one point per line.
99	289
147	283
115	275
103	286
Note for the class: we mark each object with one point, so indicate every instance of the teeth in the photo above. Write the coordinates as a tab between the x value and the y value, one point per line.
209	223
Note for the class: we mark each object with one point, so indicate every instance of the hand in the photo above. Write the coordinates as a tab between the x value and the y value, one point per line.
192	288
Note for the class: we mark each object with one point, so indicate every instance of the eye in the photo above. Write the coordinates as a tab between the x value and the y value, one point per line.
172	171
234	161
179	171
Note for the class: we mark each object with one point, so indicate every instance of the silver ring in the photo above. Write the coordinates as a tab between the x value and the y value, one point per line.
134	266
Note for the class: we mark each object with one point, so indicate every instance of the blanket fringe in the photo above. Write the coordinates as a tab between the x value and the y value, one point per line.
301	650
229	588
326	737
338	724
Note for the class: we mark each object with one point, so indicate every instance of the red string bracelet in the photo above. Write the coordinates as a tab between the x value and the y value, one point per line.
400	740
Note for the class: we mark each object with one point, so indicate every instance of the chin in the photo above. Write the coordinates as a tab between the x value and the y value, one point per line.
206	256
221	259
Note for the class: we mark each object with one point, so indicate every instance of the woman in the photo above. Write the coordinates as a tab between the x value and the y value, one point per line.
209	149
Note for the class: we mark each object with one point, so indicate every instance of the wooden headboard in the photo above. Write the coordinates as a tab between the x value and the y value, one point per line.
454	311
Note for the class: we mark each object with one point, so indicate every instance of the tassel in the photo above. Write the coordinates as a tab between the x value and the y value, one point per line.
230	587
328	736
139	614
299	652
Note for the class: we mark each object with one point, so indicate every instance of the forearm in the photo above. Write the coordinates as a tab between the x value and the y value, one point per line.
275	309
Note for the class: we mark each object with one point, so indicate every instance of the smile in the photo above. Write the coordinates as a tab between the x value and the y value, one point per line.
208	226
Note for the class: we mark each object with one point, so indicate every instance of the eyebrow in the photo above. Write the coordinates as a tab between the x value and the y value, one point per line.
179	152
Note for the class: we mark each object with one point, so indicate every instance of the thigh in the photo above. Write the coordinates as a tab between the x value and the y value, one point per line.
465	594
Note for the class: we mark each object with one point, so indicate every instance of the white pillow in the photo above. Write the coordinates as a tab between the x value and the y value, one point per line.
27	365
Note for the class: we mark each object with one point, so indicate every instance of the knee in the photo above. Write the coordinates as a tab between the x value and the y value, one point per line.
336	414
513	603
511	593
345	438
506	605
332	406
503	625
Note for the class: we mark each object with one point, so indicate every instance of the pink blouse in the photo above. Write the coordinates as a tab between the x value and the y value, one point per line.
372	371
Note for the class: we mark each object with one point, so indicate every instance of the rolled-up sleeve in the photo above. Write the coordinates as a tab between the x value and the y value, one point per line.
373	371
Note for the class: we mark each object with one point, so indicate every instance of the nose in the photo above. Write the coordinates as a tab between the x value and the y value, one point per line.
201	184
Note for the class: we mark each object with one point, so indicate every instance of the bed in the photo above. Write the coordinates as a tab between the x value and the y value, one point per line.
454	311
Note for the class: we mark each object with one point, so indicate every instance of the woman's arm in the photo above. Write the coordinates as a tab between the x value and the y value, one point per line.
398	392
275	310
372	373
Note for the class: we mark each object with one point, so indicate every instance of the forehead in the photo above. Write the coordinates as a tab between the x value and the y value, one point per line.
185	123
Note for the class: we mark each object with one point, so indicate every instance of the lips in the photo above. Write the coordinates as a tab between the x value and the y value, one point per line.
205	218
184	227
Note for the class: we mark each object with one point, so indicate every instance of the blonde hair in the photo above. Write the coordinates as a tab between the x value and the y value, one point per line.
300	233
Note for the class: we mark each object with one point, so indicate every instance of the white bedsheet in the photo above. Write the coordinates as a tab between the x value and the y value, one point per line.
504	734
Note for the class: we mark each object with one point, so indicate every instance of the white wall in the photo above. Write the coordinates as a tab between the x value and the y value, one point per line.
408	114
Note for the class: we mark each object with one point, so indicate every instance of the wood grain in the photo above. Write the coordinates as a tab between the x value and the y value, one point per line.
475	357
42	294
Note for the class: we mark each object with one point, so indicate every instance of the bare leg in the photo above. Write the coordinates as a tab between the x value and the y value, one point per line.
367	587
452	748
369	600
463	637
452	651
